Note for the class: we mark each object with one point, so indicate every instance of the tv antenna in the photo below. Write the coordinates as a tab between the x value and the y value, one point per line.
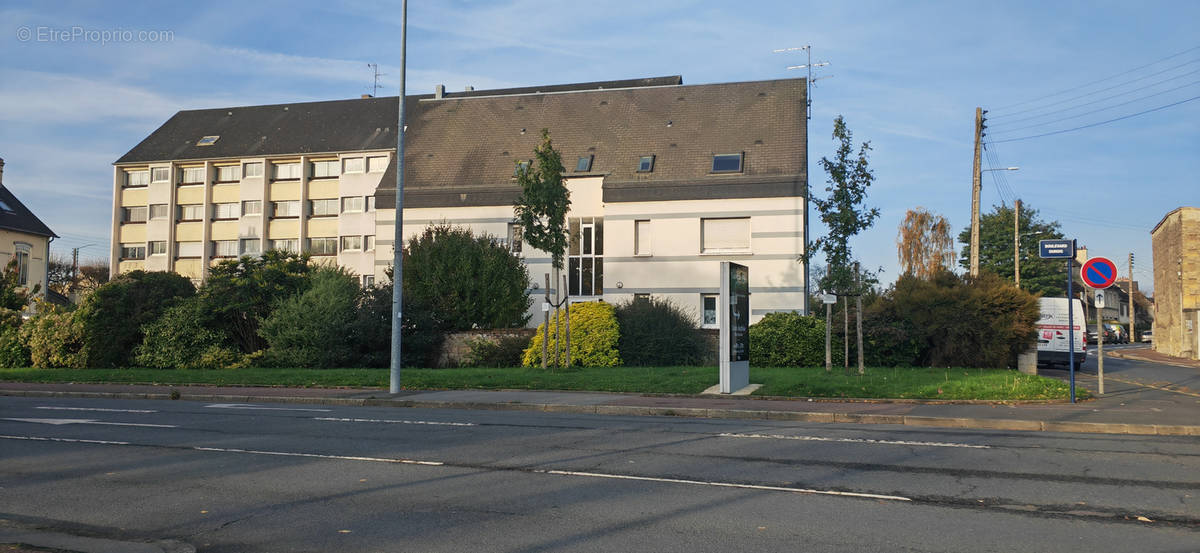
375	86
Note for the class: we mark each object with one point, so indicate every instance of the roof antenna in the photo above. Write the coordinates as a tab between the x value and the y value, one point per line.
375	87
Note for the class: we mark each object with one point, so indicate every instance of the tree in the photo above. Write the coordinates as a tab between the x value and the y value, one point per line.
924	245
542	208
113	315
59	274
842	211
1039	276
242	292
314	329
92	275
13	294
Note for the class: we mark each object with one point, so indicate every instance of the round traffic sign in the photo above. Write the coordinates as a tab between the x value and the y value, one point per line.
1098	272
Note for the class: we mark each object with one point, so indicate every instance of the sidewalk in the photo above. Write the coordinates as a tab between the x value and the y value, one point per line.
1149	355
1126	408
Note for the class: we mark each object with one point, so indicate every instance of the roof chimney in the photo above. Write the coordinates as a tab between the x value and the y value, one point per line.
1	170
439	92
469	88
365	96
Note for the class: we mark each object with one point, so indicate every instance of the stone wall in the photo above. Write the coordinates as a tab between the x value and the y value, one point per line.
457	346
1176	243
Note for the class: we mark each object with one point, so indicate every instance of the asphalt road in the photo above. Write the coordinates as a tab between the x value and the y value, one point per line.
270	477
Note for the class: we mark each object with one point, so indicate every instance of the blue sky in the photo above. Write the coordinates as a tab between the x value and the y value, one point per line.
906	76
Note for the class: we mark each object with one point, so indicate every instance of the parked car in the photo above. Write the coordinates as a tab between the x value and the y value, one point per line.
1147	335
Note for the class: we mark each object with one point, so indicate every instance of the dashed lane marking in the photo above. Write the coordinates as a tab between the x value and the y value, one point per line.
852	440
396	421
59	422
95	409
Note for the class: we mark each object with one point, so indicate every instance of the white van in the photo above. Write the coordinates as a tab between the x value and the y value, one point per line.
1053	348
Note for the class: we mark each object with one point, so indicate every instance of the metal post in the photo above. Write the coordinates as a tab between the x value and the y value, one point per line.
1017	243
858	317
1100	350
1132	315
398	236
567	303
1071	318
828	333
546	322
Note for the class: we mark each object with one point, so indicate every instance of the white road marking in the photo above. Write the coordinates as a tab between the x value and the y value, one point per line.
432	423
723	484
69	440
96	409
59	422
535	471
248	406
852	440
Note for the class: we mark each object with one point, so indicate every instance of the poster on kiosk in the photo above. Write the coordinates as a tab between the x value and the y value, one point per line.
735	327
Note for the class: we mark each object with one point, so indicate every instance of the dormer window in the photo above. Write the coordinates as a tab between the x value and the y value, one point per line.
727	163
584	164
646	164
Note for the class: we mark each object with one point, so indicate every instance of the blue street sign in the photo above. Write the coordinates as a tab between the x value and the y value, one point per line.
1056	249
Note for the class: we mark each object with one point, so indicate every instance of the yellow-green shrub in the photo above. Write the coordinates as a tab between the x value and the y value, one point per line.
594	337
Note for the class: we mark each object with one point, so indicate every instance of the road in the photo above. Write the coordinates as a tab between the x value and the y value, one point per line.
295	477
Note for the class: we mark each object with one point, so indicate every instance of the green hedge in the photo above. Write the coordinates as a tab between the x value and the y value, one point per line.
789	339
658	333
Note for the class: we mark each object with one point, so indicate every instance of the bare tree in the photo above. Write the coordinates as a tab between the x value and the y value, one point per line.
924	244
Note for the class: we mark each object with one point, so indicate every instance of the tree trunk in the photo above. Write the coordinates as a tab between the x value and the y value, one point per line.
545	322
567	301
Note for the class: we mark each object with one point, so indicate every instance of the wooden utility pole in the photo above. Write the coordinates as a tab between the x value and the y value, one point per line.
1017	243
976	184
1132	317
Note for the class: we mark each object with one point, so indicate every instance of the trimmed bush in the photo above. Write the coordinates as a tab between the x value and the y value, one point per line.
55	339
312	329
113	315
505	351
789	339
13	351
594	337
658	333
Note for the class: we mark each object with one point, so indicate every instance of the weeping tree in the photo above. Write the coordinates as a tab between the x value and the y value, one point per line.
924	245
541	211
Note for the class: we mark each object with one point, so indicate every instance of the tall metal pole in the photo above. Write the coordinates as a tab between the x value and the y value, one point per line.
1017	243
398	236
976	185
1071	318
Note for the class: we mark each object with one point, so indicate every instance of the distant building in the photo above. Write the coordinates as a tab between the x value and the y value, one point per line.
25	238
666	181
1176	243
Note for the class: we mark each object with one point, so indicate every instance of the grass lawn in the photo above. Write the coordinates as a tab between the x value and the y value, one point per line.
901	383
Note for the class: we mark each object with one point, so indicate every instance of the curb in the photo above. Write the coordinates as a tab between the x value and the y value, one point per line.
699	412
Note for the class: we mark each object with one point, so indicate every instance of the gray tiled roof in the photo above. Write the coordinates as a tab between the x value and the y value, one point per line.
19	217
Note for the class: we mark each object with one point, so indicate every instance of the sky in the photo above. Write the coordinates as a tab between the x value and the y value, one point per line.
81	83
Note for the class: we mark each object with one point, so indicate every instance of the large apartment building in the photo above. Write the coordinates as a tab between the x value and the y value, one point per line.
666	181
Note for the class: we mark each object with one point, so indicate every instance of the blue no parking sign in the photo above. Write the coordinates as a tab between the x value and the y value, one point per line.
1098	272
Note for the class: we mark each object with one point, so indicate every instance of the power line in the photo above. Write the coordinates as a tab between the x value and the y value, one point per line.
1101	109
1152	85
1094	92
1159	108
1098	80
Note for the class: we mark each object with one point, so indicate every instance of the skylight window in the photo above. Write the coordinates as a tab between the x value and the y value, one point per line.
521	167
727	163
207	141
4	206
584	164
646	164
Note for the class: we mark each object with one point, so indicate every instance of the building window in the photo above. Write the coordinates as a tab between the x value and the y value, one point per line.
286	245
515	237
646	164
225	248
325	169
286	171
225	211
708	309
369	242
289	208
585	256
160	174
159	211
191	175
189	249
377	164
584	164
352	243
727	163
191	212
352	204
137	178
252	207
252	169
158	247
133	214
229	173
21	254
251	246
370	203
521	167
323	246
128	251
641	297
641	237
323	208
725	235
368	281
352	165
